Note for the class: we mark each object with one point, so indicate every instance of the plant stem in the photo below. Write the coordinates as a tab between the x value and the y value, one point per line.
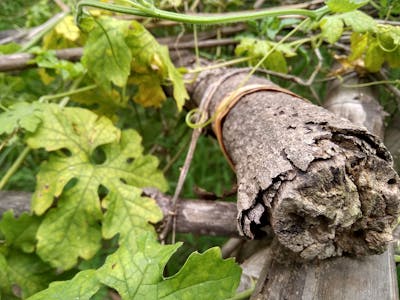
69	93
244	295
396	81
10	172
272	50
221	65
47	27
151	11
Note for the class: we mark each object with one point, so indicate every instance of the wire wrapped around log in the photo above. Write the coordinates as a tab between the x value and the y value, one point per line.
325	186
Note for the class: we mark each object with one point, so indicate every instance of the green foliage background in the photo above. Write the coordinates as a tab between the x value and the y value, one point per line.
87	136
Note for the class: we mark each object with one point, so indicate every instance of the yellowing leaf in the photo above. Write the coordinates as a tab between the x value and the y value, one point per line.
149	91
106	54
71	228
45	77
152	59
374	58
358	43
67	29
64	35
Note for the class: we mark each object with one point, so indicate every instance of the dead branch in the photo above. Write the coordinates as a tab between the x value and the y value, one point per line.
324	185
192	216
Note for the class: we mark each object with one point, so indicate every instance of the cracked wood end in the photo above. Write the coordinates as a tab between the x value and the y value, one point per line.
326	187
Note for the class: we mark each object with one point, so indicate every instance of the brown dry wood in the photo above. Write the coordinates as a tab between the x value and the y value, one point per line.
194	216
324	185
370	277
363	278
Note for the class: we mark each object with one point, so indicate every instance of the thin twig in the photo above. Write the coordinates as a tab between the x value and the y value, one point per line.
395	91
62	5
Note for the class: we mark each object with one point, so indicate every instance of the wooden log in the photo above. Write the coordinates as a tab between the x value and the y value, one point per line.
325	186
345	278
370	277
215	218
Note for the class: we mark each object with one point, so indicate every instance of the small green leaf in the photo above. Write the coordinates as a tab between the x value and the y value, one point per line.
358	44
106	55
374	57
5	284
9	48
20	232
258	49
204	276
332	28
20	115
358	21
83	286
340	6
136	268
135	272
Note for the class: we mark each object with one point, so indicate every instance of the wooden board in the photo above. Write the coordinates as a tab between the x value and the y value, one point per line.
367	278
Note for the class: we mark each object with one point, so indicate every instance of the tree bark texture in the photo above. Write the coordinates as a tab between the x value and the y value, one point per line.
326	187
194	216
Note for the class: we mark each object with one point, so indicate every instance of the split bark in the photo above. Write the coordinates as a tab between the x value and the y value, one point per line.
326	187
372	277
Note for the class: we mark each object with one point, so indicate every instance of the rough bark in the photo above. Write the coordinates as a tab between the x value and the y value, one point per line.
194	216
325	186
372	277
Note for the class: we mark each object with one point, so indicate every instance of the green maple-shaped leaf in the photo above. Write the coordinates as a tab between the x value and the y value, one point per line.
21	115
135	271
127	210
83	286
106	55
71	229
20	232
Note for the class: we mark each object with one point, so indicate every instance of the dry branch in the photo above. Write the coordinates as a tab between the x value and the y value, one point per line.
325	186
372	277
193	216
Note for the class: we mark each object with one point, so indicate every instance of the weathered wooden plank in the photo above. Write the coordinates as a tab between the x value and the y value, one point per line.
362	278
